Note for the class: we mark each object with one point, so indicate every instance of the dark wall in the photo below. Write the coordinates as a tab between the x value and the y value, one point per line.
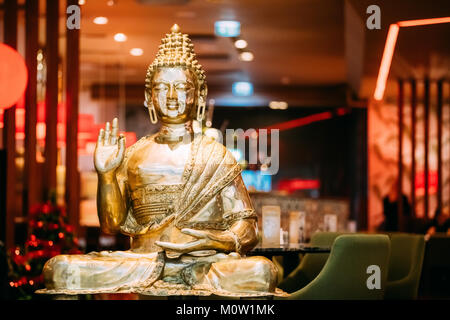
329	149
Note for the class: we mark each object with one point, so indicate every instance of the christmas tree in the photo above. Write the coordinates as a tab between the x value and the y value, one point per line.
49	234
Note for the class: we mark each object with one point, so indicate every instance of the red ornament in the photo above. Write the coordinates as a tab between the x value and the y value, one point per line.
13	76
46	208
53	226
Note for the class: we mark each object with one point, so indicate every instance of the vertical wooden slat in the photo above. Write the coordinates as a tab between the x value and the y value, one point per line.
426	144
448	169
448	106
10	23
400	154
31	185
72	74
9	143
413	144
9	137
439	146
51	98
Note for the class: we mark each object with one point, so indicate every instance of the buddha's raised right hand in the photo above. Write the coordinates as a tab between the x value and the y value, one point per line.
110	149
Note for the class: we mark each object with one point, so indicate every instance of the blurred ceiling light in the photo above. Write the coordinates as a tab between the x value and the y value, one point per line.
120	37
240	44
242	89
227	28
81	2
281	105
100	20
110	3
246	56
137	52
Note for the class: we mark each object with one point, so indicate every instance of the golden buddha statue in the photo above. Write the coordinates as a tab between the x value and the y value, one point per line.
179	195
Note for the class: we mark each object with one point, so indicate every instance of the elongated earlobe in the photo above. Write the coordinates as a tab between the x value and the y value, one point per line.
201	109
151	112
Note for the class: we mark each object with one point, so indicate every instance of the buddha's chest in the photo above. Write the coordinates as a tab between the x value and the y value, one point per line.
158	164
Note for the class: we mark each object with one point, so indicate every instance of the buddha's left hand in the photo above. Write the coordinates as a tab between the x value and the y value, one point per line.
206	240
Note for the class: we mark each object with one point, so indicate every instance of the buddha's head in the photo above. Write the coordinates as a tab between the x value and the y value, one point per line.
175	87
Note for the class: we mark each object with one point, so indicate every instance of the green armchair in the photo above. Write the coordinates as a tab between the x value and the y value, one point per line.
345	274
405	266
310	265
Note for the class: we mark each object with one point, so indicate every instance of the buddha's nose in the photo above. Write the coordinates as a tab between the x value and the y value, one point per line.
172	93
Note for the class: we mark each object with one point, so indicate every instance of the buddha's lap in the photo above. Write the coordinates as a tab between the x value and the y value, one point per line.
112	269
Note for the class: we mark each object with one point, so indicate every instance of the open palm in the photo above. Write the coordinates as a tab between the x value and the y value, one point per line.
110	149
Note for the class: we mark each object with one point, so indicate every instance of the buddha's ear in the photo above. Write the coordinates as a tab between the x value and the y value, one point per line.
203	91
201	103
148	96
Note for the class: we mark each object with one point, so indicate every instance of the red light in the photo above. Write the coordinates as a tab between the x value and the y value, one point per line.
386	61
130	138
341	111
13	76
423	22
300	122
292	185
85	122
432	182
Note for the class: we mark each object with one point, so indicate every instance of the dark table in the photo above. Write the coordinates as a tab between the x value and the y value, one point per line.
289	253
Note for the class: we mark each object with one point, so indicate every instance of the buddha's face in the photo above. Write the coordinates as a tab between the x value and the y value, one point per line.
173	94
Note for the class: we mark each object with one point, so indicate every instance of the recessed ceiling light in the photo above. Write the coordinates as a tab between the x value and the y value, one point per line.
100	20
120	37
242	89
227	28
240	44
246	56
110	3
281	105
81	2
137	52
